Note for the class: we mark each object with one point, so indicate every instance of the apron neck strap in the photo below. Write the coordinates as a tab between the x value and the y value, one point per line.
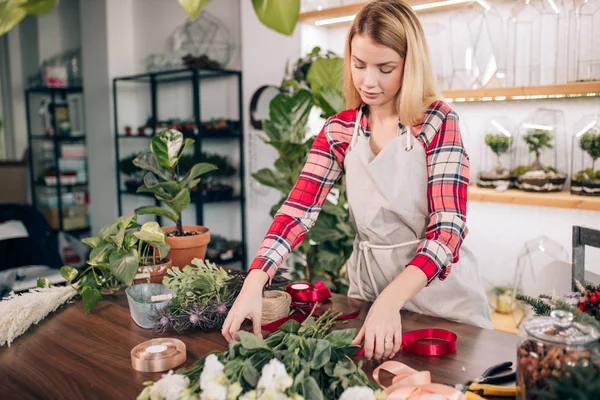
357	123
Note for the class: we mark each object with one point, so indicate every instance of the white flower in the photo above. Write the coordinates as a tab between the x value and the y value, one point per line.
214	391
248	395
272	394
169	387
296	397
212	375
234	390
274	376
358	393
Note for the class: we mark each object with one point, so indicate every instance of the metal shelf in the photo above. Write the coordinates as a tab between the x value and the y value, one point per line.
59	138
196	197
204	134
179	75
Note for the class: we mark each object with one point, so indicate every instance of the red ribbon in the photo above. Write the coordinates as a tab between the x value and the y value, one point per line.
410	342
309	293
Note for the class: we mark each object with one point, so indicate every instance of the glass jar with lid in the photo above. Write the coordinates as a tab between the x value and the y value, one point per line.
552	345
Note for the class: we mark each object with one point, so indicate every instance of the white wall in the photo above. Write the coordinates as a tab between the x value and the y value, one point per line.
497	231
59	30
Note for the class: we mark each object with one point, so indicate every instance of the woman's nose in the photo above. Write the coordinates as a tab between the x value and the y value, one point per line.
370	79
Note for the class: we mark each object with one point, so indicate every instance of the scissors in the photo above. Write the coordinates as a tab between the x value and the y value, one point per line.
486	384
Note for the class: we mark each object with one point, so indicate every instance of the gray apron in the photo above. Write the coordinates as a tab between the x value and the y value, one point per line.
387	197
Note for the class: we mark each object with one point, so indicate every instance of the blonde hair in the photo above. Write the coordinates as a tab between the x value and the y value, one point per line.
394	24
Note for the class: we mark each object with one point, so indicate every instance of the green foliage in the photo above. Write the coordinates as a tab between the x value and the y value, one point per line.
587	174
538	140
319	362
521	170
498	142
579	382
128	168
328	244
590	142
545	304
162	178
13	11
117	252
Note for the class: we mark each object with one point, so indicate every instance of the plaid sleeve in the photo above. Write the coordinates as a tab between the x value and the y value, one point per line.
448	178
300	210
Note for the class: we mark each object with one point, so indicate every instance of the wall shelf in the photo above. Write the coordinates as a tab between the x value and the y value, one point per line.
556	199
558	91
343	14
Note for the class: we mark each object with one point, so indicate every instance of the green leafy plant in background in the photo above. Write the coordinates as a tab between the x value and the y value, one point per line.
117	252
329	243
537	140
590	143
163	179
279	15
499	144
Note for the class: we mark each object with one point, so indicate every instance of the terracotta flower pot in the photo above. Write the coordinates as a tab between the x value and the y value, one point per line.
185	248
157	272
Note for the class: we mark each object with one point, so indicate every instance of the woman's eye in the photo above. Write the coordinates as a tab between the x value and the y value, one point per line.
386	72
358	67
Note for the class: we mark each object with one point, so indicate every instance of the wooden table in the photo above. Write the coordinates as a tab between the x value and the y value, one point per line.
70	355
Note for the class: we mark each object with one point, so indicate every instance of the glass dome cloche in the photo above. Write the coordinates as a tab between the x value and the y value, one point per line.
541	152
585	156
495	162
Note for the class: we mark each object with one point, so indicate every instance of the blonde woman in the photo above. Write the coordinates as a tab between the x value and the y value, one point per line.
406	172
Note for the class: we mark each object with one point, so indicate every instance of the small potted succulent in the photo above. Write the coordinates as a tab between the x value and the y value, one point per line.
499	144
169	186
537	177
587	181
134	174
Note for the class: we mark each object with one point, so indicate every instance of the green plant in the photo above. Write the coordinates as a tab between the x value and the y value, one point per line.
117	252
579	382
499	144
538	140
279	15
128	168
590	142
163	179
329	242
318	362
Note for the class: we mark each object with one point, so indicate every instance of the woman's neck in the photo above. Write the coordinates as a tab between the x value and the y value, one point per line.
383	113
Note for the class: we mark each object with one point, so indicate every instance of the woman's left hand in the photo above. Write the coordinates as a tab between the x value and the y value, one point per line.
382	330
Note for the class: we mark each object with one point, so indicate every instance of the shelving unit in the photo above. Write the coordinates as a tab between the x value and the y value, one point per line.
558	91
556	199
155	80
73	217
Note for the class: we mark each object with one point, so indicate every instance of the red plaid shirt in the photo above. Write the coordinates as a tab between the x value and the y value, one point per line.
448	172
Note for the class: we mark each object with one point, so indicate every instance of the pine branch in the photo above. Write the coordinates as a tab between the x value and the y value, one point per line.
539	307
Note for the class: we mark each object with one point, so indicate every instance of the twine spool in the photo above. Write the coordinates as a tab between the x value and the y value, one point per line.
276	305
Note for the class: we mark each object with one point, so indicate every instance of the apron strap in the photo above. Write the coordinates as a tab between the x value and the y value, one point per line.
364	246
356	125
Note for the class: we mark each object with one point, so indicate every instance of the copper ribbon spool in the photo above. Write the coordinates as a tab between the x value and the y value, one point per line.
150	356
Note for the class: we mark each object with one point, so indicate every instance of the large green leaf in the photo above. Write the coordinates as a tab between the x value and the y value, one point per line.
150	232
39	7
155	210
124	264
166	189
289	114
269	178
166	146
193	7
92	241
108	230
321	354
251	342
99	254
326	72
197	171
250	374
181	201
11	13
311	390
148	162
279	15
330	100
163	248
90	297
69	273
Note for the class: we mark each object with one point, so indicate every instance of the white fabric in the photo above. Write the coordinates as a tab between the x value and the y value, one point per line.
12	229
387	195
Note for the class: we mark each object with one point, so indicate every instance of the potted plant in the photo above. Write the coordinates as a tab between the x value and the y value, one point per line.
215	188
499	144
134	173
121	251
587	181
171	188
537	177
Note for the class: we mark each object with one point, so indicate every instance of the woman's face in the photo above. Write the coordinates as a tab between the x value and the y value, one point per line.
376	71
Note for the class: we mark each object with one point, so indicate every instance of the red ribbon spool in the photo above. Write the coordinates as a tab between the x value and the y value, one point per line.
410	342
306	292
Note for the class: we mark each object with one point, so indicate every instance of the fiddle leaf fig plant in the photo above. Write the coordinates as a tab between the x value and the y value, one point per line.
162	177
328	244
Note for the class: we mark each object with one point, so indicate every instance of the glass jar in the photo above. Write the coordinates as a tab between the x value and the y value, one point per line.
552	344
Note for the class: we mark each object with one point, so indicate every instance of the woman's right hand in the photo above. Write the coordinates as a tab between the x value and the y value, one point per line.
247	305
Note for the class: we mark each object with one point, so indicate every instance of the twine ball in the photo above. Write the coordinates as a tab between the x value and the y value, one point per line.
276	305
